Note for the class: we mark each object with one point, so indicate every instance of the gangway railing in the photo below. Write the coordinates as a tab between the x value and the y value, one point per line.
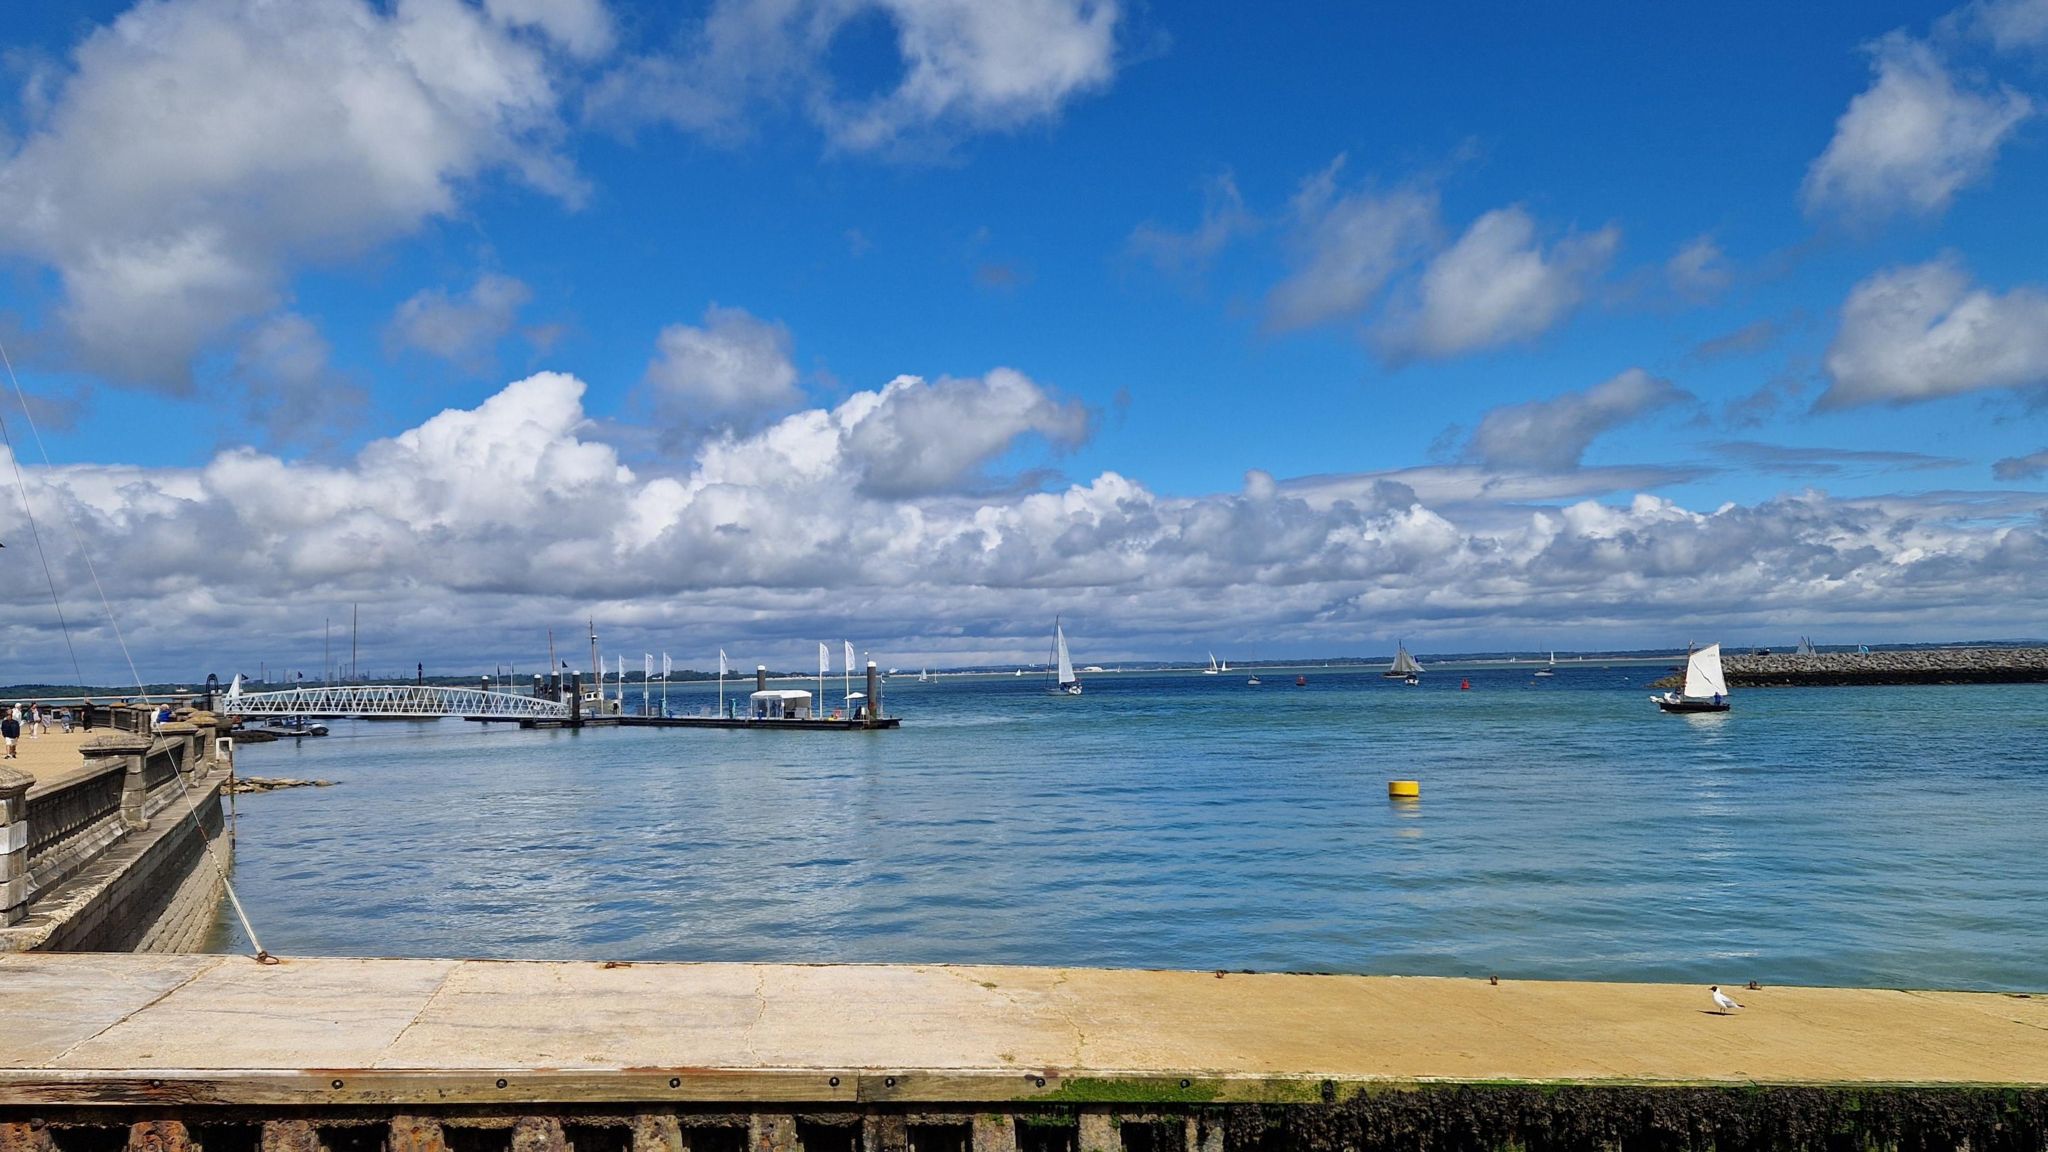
390	700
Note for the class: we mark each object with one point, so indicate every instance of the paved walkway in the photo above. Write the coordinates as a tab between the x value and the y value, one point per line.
339	1030
52	758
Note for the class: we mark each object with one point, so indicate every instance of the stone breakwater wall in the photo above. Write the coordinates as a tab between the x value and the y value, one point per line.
113	857
1924	666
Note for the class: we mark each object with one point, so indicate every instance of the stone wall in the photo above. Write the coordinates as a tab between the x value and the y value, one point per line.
1919	666
116	860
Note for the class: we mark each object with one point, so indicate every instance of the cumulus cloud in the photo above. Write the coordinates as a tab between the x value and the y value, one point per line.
967	66
1347	247
734	369
2032	466
197	149
1911	141
460	328
1496	285
1553	435
469	531
918	438
1924	331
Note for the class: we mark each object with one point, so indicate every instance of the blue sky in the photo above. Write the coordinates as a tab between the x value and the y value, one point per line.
1617	271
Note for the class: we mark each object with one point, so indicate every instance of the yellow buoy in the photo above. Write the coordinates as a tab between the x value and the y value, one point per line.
1404	789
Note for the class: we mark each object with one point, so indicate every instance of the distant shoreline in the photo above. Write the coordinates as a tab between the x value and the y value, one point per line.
1852	669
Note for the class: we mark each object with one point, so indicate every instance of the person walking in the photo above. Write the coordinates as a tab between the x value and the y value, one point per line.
38	724
85	714
10	731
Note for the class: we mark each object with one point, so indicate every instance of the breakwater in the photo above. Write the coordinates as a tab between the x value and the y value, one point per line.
1917	666
103	836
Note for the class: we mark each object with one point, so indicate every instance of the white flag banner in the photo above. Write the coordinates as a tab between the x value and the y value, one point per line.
724	669
647	665
824	658
666	667
849	656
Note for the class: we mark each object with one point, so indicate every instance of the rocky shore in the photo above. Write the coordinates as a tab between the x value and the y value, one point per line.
1921	666
244	784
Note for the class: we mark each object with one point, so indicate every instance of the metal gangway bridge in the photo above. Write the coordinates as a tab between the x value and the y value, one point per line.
390	700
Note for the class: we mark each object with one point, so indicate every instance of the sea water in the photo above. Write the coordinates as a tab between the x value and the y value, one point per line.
1566	829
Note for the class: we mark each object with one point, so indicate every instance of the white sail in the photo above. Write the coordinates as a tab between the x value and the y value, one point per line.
1703	674
1403	664
1059	643
1212	662
1553	658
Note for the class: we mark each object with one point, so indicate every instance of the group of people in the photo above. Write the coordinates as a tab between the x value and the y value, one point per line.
36	719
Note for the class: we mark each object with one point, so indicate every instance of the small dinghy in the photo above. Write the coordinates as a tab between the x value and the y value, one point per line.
1706	690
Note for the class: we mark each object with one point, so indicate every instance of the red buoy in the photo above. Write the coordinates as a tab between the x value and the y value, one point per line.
1464	685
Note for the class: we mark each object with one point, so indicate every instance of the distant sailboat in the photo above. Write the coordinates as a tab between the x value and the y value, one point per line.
1706	690
924	675
1549	669
1805	647
1404	666
1211	670
1067	683
1253	680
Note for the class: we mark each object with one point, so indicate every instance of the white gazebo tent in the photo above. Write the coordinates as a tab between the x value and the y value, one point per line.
780	704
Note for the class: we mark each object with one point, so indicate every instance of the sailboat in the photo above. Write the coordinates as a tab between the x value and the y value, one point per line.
924	675
1211	670
1404	666
1705	689
1805	647
1067	684
1549	669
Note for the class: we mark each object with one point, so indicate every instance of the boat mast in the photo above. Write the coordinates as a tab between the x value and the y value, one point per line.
352	642
596	668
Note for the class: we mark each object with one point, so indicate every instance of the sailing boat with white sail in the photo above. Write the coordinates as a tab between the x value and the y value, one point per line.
1211	670
1067	683
1549	669
1706	690
1404	666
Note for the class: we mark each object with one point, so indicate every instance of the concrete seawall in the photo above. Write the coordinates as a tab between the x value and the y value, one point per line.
170	1053
107	834
1925	666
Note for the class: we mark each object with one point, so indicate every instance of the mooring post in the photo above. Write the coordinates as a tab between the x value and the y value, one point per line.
576	699
874	711
14	788
760	677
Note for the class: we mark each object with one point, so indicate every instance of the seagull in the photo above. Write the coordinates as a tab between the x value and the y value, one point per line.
1722	1001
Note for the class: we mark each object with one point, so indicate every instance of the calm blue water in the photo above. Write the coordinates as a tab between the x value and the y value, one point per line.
1887	836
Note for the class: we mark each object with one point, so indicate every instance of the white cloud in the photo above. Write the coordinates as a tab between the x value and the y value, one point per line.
1224	219
199	149
1912	140
582	27
2012	25
1923	331
2032	466
1496	285
967	66
733	370
1699	270
471	530
294	392
921	438
464	328
1347	248
1553	435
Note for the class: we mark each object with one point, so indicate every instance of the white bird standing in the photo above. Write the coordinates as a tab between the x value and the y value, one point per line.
1722	1000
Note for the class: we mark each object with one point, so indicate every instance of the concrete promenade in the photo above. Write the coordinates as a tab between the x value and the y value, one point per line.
188	1029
